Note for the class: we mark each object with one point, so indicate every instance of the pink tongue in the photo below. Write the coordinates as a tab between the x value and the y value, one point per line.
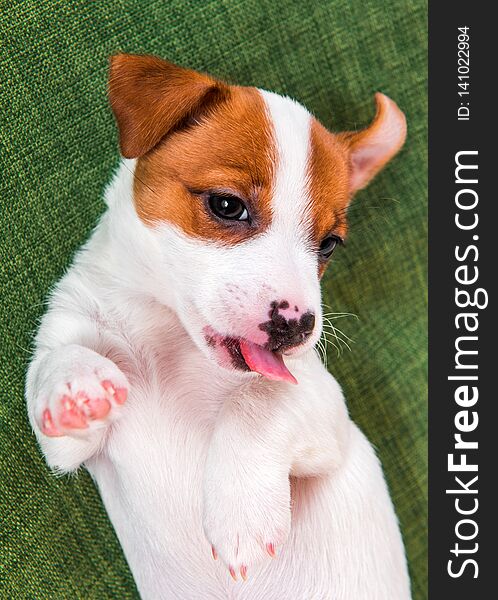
269	364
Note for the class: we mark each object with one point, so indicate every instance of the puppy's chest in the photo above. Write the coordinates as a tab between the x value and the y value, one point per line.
162	438
170	379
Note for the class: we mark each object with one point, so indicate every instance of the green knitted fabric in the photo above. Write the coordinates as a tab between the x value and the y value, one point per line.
58	147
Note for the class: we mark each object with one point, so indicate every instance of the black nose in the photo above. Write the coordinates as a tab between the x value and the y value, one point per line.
285	333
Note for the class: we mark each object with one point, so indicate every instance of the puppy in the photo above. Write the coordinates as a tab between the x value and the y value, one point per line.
176	360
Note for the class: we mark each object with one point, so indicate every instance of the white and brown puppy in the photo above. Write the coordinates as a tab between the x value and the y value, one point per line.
168	358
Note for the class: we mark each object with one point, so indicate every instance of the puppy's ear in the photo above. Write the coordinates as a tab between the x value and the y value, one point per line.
150	97
371	148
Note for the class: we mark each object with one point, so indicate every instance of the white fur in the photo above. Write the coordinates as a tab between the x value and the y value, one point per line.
291	125
202	455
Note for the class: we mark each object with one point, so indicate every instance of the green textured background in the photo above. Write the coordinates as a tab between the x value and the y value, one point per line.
58	146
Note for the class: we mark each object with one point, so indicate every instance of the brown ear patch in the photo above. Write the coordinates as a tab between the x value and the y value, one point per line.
230	148
371	148
342	163
150	97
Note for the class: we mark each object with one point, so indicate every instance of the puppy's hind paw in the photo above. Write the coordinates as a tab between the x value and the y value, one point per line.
249	537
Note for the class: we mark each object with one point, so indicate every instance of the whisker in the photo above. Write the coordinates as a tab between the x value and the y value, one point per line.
339	335
327	341
340	340
322	352
28	352
336	337
339	315
339	346
336	330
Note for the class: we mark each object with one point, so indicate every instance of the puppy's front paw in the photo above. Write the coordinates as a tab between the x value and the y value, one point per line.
79	394
246	516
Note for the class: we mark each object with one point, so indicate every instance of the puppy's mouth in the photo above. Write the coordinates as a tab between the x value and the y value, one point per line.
245	355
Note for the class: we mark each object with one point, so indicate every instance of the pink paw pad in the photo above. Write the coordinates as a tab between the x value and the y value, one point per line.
95	408
119	394
71	416
48	427
77	410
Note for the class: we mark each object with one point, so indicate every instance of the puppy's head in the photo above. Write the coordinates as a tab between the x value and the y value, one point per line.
246	194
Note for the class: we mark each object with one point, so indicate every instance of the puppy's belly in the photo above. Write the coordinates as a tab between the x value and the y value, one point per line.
344	543
150	480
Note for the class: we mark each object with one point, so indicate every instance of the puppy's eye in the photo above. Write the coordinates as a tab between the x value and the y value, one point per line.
228	207
328	245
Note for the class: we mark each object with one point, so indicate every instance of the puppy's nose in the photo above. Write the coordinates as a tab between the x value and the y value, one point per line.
285	332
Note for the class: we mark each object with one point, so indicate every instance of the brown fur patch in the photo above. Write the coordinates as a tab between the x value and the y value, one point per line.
229	149
328	175
193	135
151	96
342	163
